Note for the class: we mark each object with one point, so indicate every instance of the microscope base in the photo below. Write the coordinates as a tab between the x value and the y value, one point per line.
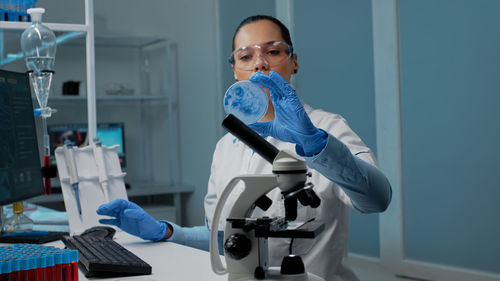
274	275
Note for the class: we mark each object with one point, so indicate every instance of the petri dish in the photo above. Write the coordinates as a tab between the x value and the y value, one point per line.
247	101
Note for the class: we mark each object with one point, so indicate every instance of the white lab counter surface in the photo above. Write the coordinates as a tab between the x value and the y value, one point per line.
169	261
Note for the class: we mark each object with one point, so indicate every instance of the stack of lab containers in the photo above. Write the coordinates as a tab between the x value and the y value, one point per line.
15	10
28	262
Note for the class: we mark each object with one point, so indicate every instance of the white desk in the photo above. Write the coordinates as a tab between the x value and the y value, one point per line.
169	261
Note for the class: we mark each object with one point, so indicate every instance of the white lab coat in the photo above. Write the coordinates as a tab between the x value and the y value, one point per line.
323	255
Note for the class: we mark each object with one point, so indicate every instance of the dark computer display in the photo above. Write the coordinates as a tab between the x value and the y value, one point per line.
108	134
20	167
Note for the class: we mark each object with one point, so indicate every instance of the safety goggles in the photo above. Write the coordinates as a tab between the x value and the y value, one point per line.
274	53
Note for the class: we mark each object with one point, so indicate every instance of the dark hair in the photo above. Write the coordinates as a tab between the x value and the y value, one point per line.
284	30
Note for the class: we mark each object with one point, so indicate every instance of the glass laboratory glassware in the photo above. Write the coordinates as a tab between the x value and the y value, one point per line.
39	48
247	101
18	222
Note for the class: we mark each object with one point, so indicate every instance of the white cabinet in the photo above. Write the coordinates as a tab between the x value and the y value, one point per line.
87	29
123	79
135	85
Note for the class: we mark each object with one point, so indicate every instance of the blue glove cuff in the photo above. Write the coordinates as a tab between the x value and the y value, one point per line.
310	145
196	237
161	233
177	234
337	161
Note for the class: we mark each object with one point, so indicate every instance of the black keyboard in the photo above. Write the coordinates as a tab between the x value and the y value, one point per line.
104	257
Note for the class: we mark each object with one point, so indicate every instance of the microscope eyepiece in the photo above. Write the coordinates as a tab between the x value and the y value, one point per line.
250	138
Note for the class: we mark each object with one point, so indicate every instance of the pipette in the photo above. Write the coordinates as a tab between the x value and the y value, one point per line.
72	171
101	168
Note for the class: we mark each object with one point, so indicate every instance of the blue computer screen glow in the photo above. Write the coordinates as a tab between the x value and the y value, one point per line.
108	134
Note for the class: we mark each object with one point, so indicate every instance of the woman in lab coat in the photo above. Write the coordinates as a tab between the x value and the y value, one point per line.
343	168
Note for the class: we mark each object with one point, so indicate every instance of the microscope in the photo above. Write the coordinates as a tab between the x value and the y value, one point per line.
246	238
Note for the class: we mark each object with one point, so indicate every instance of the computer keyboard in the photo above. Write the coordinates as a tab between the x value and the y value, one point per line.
104	257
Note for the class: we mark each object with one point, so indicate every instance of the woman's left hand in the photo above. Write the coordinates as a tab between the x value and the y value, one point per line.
291	123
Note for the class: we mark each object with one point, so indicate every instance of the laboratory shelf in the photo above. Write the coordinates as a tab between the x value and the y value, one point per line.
148	65
119	41
60	39
109	98
149	113
12	25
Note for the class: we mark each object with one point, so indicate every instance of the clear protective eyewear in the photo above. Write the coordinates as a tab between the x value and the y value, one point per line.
274	53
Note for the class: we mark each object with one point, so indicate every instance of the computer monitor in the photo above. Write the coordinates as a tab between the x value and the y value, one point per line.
20	166
108	134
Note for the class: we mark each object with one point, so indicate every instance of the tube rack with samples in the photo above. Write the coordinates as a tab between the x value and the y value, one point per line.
22	262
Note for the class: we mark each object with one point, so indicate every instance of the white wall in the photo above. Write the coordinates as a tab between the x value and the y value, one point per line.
449	104
336	74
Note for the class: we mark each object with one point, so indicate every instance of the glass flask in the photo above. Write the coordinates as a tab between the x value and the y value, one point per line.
18	222
39	48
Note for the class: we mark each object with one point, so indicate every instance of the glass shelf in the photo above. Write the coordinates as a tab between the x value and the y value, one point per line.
118	41
13	25
109	98
60	39
73	39
144	64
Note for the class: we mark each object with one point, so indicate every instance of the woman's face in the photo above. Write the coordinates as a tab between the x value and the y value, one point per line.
260	32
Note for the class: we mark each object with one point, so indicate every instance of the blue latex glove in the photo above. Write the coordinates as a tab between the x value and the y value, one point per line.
133	219
291	123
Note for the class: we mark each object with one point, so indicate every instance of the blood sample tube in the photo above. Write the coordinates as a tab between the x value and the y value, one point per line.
15	274
31	268
49	269
27	262
73	258
58	255
23	267
65	266
41	264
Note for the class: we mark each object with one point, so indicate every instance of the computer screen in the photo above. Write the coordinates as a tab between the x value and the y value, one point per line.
108	134
20	166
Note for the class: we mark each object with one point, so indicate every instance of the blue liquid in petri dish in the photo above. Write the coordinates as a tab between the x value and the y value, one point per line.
247	101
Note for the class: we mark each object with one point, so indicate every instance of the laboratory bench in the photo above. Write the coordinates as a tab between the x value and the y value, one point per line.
169	261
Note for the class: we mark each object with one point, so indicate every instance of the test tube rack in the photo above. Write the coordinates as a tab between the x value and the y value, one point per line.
22	262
